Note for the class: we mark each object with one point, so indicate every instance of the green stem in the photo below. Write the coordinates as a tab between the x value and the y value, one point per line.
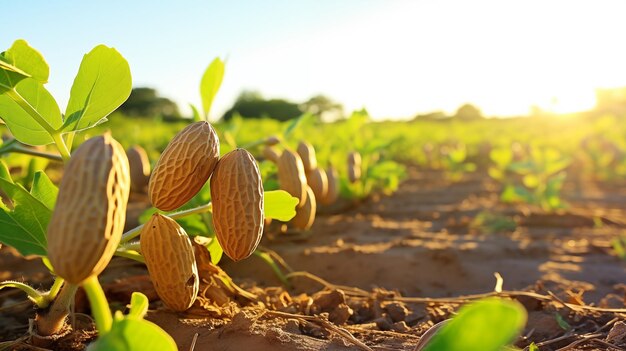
99	305
60	144
133	255
133	233
56	286
34	295
23	150
70	140
270	261
134	246
19	99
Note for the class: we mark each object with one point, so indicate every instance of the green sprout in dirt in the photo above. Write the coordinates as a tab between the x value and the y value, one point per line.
534	178
454	161
487	325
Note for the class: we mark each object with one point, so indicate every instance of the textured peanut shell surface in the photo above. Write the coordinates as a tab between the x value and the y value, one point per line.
90	212
171	263
291	176
305	215
333	187
237	198
139	168
318	181
307	154
184	166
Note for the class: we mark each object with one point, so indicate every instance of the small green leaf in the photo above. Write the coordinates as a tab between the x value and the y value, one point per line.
44	190
20	123
210	84
131	334
486	325
23	226
531	181
280	205
215	251
102	84
533	347
19	62
138	305
195	113
294	123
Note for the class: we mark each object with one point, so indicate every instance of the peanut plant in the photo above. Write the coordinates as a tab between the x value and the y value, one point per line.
77	228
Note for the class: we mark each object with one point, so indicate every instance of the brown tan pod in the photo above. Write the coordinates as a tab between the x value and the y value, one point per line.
237	197
318	181
139	168
273	140
333	187
90	212
271	154
291	177
305	215
184	166
354	166
307	154
169	256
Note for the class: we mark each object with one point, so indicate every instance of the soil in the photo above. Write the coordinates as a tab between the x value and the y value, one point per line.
391	267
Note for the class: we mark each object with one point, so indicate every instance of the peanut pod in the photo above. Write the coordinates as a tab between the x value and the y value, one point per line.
237	197
90	211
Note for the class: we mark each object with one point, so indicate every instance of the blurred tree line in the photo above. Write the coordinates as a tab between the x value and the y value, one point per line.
145	102
466	112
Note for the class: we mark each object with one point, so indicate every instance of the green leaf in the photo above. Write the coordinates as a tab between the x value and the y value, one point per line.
531	181
102	84
138	305
215	251
294	123
210	84
19	62
131	334
280	205
23	226
533	347
195	113
486	325
44	190
20	123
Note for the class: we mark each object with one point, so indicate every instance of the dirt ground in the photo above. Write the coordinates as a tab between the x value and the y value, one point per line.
393	266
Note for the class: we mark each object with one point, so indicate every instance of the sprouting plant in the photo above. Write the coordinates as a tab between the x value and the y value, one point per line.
454	160
486	325
534	178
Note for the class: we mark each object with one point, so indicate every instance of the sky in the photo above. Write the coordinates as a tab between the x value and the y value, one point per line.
397	58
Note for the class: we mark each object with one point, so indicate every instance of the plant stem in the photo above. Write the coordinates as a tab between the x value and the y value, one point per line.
60	144
32	152
35	296
99	305
270	261
56	286
52	321
133	233
70	139
133	255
